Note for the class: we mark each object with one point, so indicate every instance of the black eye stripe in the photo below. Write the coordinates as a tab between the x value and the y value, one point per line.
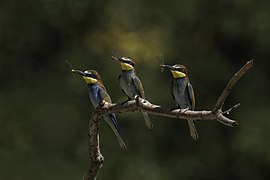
179	69
128	62
91	75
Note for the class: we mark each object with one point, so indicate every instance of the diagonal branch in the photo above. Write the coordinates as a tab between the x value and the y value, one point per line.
231	84
96	158
232	108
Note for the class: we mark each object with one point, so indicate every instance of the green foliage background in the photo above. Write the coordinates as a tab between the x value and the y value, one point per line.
44	110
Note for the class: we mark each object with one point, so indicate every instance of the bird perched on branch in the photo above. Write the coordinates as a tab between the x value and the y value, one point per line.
131	84
97	94
182	92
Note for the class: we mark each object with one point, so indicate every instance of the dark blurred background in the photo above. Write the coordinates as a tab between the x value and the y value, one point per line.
44	110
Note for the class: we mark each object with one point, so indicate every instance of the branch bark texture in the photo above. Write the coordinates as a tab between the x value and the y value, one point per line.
216	114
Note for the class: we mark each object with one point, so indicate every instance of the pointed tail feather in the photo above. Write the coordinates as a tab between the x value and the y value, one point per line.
192	129
121	142
112	122
148	123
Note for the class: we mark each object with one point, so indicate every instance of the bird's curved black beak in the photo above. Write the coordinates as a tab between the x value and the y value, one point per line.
166	66
116	59
78	72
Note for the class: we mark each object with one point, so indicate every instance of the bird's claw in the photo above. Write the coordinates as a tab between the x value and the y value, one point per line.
185	110
102	103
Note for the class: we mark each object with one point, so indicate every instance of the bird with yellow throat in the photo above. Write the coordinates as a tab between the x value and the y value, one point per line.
97	93
183	93
131	84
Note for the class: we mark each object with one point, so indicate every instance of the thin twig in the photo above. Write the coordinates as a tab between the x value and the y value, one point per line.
232	108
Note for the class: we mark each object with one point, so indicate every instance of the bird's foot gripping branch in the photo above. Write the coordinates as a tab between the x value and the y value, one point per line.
139	104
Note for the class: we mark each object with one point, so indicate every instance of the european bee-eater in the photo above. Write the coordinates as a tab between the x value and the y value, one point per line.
182	92
131	84
98	93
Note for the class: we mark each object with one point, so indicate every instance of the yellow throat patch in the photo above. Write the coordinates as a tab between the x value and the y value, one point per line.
126	67
178	74
89	80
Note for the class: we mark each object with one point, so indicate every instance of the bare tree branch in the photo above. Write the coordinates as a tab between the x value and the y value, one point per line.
231	84
96	158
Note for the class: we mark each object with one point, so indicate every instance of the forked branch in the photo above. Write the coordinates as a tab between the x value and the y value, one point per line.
96	158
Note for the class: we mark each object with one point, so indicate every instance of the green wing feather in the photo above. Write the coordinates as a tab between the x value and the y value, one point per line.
191	95
140	90
105	96
139	86
172	91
